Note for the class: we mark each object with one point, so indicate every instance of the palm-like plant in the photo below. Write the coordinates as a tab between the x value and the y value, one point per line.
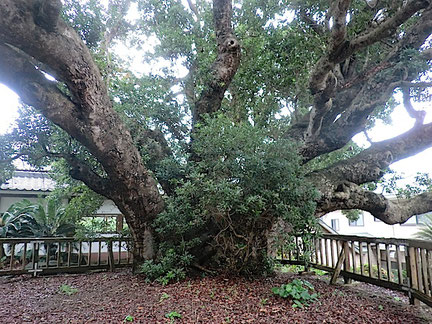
16	221
27	219
52	220
426	232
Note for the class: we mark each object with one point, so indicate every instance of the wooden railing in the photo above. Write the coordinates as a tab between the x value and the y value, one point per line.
399	264
55	255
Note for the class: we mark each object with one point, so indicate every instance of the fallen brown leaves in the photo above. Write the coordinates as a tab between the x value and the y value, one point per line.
110	297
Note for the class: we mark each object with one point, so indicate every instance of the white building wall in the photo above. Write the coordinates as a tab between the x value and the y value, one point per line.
372	227
7	201
108	208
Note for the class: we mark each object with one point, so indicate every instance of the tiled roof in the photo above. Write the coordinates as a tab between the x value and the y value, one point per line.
29	181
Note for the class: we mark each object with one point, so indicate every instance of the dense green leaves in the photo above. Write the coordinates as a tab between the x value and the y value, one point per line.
16	222
242	184
27	219
300	291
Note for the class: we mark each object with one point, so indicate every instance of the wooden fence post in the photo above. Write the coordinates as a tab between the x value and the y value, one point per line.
110	256
35	259
347	265
339	264
412	274
119	223
2	251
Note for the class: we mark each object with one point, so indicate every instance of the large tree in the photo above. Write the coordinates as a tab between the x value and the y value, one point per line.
334	65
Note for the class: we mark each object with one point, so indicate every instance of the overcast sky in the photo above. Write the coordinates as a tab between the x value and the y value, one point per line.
9	105
402	122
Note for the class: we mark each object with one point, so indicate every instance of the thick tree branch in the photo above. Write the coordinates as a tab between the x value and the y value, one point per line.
390	211
418	85
81	171
226	64
321	84
330	126
88	116
336	52
347	117
338	31
370	164
418	115
389	26
63	51
34	89
47	13
339	184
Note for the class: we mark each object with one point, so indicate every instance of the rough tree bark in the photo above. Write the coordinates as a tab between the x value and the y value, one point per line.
33	39
224	67
344	102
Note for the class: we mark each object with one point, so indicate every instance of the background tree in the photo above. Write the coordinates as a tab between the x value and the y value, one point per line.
334	65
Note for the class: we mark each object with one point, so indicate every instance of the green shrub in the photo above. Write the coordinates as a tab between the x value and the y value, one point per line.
290	268
67	290
173	316
319	272
384	272
425	233
300	291
243	182
171	267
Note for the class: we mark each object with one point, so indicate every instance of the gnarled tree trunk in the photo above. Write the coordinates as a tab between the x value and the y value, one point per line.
33	39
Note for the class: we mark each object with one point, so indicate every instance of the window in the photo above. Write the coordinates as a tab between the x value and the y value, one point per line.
358	222
415	220
335	224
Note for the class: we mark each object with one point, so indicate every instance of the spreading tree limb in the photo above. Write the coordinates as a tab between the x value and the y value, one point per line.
342	107
226	64
390	211
86	113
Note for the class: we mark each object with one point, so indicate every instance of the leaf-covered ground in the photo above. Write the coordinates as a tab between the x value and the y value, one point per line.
112	297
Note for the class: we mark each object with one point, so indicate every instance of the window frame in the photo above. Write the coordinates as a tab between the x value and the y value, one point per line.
355	223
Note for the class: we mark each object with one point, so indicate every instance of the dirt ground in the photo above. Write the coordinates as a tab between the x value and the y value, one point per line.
121	296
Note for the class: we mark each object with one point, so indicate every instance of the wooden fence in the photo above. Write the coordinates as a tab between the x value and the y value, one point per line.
399	264
55	255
